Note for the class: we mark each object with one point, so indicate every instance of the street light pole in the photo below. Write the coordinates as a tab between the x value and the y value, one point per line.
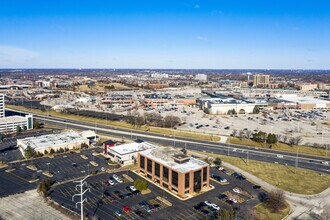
48	167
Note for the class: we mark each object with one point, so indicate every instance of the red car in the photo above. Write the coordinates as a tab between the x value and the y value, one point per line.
127	209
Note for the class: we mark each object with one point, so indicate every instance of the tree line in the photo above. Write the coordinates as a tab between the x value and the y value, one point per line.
152	119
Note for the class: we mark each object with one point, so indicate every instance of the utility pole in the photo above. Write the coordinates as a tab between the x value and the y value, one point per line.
81	184
247	157
297	158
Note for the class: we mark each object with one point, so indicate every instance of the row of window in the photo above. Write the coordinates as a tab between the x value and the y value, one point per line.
175	175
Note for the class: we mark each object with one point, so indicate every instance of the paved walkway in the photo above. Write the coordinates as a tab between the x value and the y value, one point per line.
301	205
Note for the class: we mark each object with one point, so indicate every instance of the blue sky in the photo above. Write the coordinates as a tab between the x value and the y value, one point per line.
219	34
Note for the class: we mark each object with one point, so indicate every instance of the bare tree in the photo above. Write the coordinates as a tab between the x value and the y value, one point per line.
298	140
234	133
171	121
279	137
292	141
285	139
248	133
240	134
276	200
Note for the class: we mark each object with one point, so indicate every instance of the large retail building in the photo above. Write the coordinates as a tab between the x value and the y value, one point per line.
172	169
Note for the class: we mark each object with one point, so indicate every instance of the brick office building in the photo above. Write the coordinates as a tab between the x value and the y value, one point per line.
176	171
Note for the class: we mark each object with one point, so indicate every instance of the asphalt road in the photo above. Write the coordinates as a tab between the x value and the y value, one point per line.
244	152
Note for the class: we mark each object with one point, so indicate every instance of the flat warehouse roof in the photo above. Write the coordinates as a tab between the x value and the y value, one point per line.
52	140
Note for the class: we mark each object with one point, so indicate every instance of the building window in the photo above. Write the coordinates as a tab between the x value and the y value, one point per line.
174	178
165	174
157	169
149	165
204	174
197	181
142	165
186	180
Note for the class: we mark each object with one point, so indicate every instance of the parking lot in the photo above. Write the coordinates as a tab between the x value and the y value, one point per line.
64	166
115	198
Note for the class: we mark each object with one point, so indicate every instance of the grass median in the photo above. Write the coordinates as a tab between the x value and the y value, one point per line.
262	212
288	178
280	147
121	124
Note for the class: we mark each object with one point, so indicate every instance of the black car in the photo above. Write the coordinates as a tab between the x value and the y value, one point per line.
205	212
222	196
256	187
139	213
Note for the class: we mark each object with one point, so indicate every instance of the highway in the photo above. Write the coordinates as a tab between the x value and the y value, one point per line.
244	152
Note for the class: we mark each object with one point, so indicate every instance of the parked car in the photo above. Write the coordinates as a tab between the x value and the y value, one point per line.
256	187
216	207
127	209
118	213
236	190
208	203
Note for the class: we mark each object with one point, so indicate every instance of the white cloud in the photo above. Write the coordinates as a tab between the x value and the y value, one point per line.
15	55
196	5
202	38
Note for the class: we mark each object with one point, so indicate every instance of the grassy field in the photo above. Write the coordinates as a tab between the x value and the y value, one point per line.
262	212
122	124
288	178
279	146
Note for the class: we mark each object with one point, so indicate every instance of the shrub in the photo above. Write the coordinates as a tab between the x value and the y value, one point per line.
140	184
217	161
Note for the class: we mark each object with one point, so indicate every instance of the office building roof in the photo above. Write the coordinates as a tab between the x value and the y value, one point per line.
12	119
132	147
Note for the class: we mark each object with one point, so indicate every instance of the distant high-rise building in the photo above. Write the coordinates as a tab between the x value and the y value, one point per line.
2	106
201	77
260	80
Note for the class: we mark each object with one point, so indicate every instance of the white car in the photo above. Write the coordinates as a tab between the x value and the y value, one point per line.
325	162
208	203
215	206
279	155
223	181
111	182
236	190
132	188
212	165
221	168
119	180
234	200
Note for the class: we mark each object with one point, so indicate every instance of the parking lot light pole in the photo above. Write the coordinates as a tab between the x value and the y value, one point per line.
81	184
48	167
297	159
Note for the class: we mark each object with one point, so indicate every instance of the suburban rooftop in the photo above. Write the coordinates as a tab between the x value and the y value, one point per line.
171	157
